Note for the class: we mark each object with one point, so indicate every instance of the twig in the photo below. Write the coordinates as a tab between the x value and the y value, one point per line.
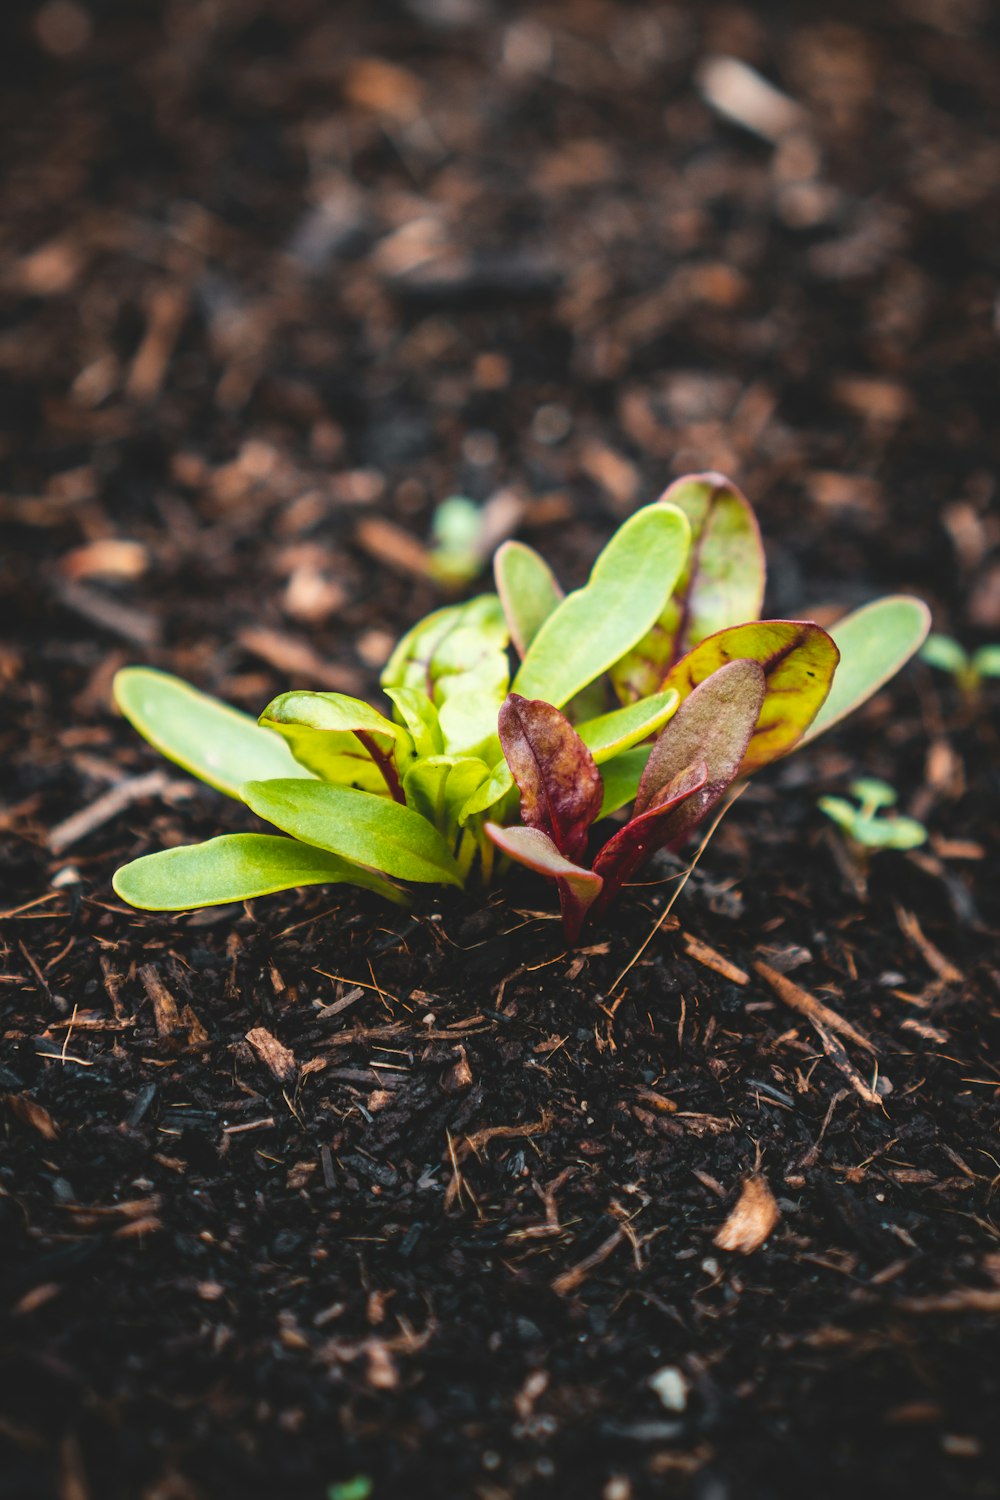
112	802
796	998
571	1279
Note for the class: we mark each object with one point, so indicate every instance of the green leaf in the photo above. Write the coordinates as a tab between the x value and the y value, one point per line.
621	778
420	717
610	734
942	652
214	742
874	643
594	626
439	786
560	785
528	591
333	736
236	867
873	794
369	830
458	657
722	583
870	831
799	660
498	785
986	661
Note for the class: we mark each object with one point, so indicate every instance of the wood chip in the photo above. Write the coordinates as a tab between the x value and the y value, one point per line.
710	959
393	546
294	657
966	1299
276	1057
30	1112
807	1005
932	956
167	1016
752	1220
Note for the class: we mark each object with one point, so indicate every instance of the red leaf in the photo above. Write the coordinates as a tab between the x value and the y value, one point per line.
578	888
713	724
649	831
560	786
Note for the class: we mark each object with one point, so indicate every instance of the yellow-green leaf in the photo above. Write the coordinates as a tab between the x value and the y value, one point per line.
367	830
594	626
213	741
236	867
610	734
874	643
528	591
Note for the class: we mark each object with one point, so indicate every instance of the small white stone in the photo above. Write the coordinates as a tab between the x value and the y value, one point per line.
671	1387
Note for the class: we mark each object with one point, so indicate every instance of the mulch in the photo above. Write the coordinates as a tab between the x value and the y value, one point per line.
320	1199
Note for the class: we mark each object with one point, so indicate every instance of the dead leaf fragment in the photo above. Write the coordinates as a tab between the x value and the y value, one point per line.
33	1114
752	1220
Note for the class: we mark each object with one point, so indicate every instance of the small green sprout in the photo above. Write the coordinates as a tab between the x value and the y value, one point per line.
863	825
654	686
967	668
456	555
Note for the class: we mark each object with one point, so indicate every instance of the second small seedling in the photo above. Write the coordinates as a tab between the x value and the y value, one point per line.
863	823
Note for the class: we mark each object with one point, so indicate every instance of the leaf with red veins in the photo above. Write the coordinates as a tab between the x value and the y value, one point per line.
649	831
578	888
560	786
799	659
714	724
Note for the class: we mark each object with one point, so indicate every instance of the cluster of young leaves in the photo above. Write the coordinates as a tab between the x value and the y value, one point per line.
654	684
867	822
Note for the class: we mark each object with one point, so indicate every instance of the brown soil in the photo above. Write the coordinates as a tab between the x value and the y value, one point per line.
314	1192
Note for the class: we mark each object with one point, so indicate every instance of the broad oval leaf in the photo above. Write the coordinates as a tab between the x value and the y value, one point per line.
874	643
528	591
594	626
799	660
560	785
329	733
368	830
610	734
236	867
713	728
213	741
578	888
722	583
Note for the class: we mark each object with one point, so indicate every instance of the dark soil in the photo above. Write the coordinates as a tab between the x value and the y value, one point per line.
279	276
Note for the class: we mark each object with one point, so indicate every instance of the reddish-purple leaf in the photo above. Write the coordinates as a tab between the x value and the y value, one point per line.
644	834
799	660
578	888
560	786
714	724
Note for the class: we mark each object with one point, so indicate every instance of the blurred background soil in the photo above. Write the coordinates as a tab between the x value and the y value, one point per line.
277	278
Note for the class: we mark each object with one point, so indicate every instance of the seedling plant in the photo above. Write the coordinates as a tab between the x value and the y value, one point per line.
867	822
651	689
968	669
